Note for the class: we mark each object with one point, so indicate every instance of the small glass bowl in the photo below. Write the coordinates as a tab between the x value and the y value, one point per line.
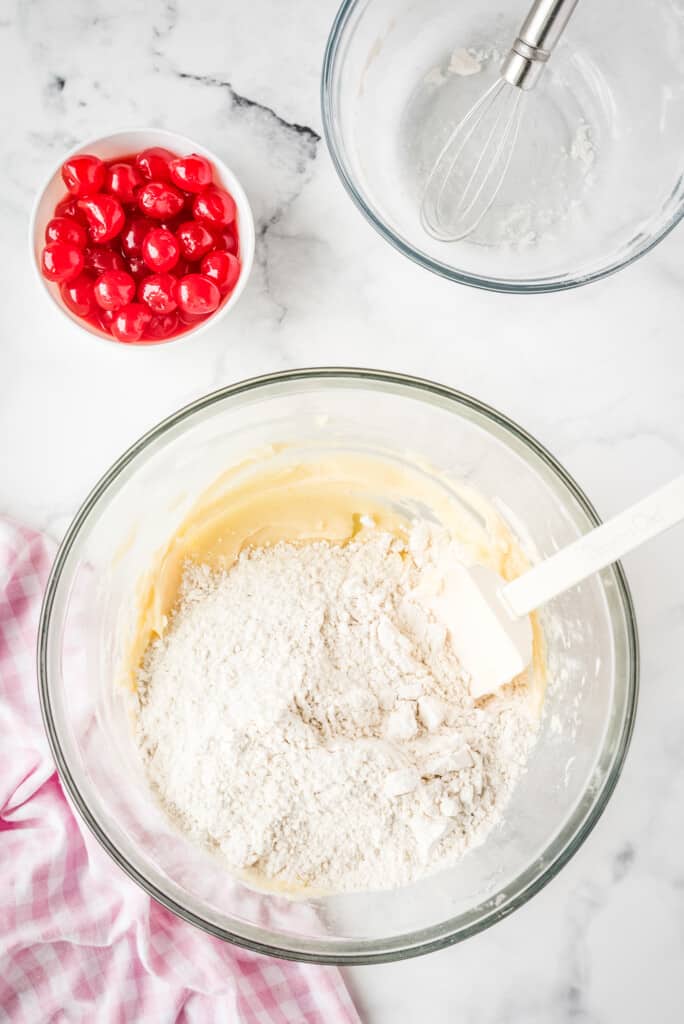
90	603
124	143
596	178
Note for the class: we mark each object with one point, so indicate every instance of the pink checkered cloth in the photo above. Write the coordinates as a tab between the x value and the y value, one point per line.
79	942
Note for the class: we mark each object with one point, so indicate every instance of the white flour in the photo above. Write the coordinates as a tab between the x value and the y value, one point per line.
554	162
306	718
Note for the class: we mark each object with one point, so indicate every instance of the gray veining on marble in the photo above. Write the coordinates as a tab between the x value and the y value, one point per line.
597	374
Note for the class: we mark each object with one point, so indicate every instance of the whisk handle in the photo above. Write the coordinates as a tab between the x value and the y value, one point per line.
539	33
544	24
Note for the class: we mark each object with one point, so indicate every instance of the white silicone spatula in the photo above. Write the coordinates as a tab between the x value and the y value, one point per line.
488	619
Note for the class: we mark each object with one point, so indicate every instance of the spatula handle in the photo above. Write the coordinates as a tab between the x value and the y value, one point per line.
597	549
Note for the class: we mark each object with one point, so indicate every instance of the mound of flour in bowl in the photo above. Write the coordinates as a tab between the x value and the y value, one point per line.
305	717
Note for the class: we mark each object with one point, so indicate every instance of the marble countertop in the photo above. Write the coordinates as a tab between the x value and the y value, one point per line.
596	374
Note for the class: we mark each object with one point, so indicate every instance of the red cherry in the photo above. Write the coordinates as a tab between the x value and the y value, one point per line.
130	322
172	224
99	258
134	234
162	326
105	216
226	241
68	207
188	320
154	163
161	250
222	268
121	180
214	206
78	295
113	289
106	318
66	229
197	295
159	200
157	292
196	240
191	173
137	268
62	261
83	175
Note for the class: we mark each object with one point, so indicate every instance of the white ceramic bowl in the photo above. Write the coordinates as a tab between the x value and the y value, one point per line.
123	143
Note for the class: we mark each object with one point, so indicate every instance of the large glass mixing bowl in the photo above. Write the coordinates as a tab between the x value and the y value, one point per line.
597	175
90	600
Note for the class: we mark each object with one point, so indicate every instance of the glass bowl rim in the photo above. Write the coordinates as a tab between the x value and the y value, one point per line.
533	286
348	951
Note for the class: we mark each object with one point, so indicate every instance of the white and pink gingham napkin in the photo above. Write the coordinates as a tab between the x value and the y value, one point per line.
79	942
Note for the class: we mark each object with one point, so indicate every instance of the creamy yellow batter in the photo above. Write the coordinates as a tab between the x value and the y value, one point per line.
286	494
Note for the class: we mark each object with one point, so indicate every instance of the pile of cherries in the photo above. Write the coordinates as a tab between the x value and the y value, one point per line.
145	246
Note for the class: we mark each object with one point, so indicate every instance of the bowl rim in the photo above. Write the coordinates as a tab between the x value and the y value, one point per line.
533	286
350	951
228	176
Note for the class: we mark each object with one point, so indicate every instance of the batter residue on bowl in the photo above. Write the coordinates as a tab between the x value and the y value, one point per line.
300	710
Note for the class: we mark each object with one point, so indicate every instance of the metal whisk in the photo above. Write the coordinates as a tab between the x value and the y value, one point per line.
471	167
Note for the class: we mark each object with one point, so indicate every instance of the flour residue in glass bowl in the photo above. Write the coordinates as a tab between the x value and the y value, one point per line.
554	164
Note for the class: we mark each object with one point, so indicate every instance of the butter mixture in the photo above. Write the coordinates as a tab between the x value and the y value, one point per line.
301	712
